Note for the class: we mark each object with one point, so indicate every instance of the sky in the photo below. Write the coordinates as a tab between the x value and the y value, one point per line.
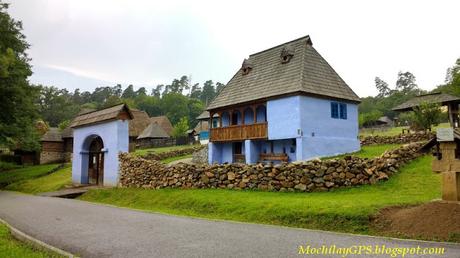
90	43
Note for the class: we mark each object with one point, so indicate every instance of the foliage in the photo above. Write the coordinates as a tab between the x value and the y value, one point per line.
388	98
452	83
345	210
64	124
368	119
18	112
180	129
4	166
427	114
55	105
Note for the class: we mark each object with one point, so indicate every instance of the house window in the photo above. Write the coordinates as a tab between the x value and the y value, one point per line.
338	110
343	111
334	110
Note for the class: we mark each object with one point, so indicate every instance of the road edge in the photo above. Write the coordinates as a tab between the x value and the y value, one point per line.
25	238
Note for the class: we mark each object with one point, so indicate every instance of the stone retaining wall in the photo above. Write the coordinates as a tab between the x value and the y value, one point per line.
315	175
397	139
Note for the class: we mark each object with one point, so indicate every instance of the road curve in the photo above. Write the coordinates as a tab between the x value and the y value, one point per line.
92	230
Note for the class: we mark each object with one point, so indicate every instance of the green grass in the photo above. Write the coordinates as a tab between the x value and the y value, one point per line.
4	166
345	210
10	247
393	130
169	160
48	183
141	152
370	151
16	175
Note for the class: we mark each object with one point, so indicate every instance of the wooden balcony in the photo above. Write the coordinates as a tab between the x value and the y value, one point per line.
239	132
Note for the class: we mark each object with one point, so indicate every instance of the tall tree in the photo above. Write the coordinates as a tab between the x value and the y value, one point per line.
129	93
406	82
55	105
208	92
382	87
18	112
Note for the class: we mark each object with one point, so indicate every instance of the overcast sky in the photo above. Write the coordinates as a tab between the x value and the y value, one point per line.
85	44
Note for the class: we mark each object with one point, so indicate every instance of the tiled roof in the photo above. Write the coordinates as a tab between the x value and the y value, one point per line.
270	76
98	116
437	97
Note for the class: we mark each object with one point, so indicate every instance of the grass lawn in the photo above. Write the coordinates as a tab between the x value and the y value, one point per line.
345	210
48	183
393	130
11	176
10	247
141	152
370	151
169	160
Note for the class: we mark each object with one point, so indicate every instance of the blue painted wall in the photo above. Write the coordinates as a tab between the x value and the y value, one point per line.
306	121
248	116
115	137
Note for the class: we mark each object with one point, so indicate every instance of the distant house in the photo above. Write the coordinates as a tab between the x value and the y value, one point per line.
52	147
383	121
153	135
285	103
164	123
137	125
202	128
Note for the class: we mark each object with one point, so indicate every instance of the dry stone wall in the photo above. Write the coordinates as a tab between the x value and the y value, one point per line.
315	175
397	139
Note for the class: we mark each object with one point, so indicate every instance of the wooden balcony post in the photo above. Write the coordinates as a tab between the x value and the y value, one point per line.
220	119
254	111
242	117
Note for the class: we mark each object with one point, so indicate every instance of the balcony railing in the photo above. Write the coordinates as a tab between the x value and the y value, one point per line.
239	132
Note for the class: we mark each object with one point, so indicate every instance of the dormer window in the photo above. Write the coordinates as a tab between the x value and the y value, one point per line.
286	54
246	67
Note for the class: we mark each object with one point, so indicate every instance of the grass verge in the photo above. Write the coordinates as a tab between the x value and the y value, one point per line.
10	247
370	151
16	175
344	210
47	183
141	152
169	160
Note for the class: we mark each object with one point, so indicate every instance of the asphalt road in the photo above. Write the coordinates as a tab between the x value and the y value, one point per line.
92	230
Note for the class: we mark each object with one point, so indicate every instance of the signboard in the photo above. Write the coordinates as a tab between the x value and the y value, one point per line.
445	134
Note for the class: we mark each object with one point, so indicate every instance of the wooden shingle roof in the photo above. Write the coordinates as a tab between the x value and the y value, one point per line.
140	121
164	123
120	111
437	97
153	130
52	135
269	76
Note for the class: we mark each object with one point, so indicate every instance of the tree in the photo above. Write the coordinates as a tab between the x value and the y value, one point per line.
174	106
369	119
195	93
219	87
18	112
156	92
208	92
427	115
55	105
180	129
382	87
406	82
195	108
129	93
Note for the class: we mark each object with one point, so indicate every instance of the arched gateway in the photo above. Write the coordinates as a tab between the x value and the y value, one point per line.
99	137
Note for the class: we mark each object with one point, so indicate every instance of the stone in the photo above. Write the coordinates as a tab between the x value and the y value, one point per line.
301	187
231	176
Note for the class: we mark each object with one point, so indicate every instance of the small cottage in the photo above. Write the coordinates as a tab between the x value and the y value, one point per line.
285	103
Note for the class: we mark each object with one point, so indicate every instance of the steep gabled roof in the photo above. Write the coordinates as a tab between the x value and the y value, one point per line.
164	123
107	114
268	76
154	130
437	97
140	121
52	135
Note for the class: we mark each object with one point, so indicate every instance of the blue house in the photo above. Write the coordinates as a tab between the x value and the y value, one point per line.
285	103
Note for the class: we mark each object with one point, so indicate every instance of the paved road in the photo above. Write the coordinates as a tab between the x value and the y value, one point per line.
92	230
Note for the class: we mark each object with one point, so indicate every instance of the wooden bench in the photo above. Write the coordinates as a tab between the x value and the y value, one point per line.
274	157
